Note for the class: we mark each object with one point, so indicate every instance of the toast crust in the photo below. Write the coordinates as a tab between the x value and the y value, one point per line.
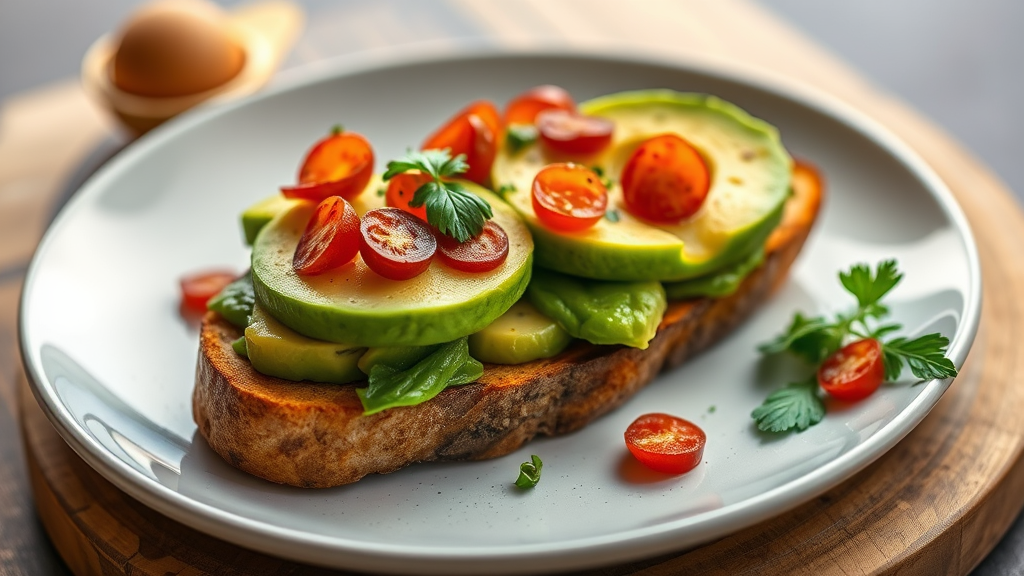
314	435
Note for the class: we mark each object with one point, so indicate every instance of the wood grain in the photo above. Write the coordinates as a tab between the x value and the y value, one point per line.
935	504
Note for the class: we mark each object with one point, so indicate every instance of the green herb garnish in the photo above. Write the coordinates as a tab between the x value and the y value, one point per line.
519	136
529	472
814	339
450	207
612	216
606	181
506	189
449	365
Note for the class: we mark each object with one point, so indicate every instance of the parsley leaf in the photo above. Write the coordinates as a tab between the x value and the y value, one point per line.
925	355
519	136
868	289
529	472
449	365
795	406
450	207
813	339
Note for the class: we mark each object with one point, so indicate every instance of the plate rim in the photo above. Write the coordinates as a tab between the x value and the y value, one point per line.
578	553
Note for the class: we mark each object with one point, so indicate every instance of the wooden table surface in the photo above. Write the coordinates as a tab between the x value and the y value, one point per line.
49	138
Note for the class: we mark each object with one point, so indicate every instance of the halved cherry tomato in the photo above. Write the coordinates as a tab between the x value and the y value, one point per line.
523	109
339	165
854	371
665	180
474	131
666	443
331	238
198	288
570	133
396	244
402	188
569	197
481	253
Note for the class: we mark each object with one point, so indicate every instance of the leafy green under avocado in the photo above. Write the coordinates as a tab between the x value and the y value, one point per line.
449	365
235	301
716	285
600	312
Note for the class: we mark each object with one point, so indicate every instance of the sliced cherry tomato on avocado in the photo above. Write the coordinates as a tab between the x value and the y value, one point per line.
396	244
854	371
481	253
474	131
198	288
569	133
666	443
569	197
331	238
523	109
665	180
402	188
339	165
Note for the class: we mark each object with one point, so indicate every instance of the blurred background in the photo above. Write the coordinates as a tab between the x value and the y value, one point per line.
957	62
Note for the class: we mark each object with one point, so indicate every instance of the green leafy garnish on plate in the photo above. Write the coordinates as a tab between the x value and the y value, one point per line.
529	472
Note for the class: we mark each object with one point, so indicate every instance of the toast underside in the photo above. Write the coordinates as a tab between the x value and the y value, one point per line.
314	435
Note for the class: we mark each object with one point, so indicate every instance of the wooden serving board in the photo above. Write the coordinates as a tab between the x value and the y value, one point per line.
935	504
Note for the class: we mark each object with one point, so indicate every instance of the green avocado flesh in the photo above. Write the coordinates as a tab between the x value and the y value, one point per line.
395	357
261	213
716	285
275	350
600	312
750	178
354	305
520	335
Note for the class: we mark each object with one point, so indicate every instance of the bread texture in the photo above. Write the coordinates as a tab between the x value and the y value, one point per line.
314	435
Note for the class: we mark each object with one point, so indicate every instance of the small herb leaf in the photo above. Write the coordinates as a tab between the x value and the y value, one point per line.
519	136
925	355
529	472
813	339
868	289
795	406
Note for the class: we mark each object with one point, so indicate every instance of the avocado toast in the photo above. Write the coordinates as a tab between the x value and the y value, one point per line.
319	435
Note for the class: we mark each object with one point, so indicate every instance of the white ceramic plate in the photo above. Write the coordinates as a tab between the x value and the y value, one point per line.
112	361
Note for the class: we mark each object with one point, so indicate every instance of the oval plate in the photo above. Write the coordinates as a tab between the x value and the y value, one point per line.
111	360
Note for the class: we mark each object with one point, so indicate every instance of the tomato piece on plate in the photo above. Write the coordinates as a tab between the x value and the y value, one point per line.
666	443
396	244
569	133
665	180
854	371
481	253
523	109
198	288
402	188
339	165
569	197
474	131
331	238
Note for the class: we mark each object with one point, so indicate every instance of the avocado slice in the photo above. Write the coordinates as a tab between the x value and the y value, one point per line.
356	306
716	285
520	335
394	357
600	312
750	178
275	350
261	213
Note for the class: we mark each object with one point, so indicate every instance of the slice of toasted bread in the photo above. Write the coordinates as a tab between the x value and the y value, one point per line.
314	435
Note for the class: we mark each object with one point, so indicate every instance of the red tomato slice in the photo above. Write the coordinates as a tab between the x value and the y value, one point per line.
570	133
523	109
854	371
197	289
339	165
396	244
569	197
665	180
666	443
481	253
474	131
402	188
331	238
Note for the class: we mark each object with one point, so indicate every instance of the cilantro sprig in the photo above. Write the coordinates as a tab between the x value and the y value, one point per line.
450	207
814	339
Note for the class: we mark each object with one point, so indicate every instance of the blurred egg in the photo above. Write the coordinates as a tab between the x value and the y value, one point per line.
176	48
